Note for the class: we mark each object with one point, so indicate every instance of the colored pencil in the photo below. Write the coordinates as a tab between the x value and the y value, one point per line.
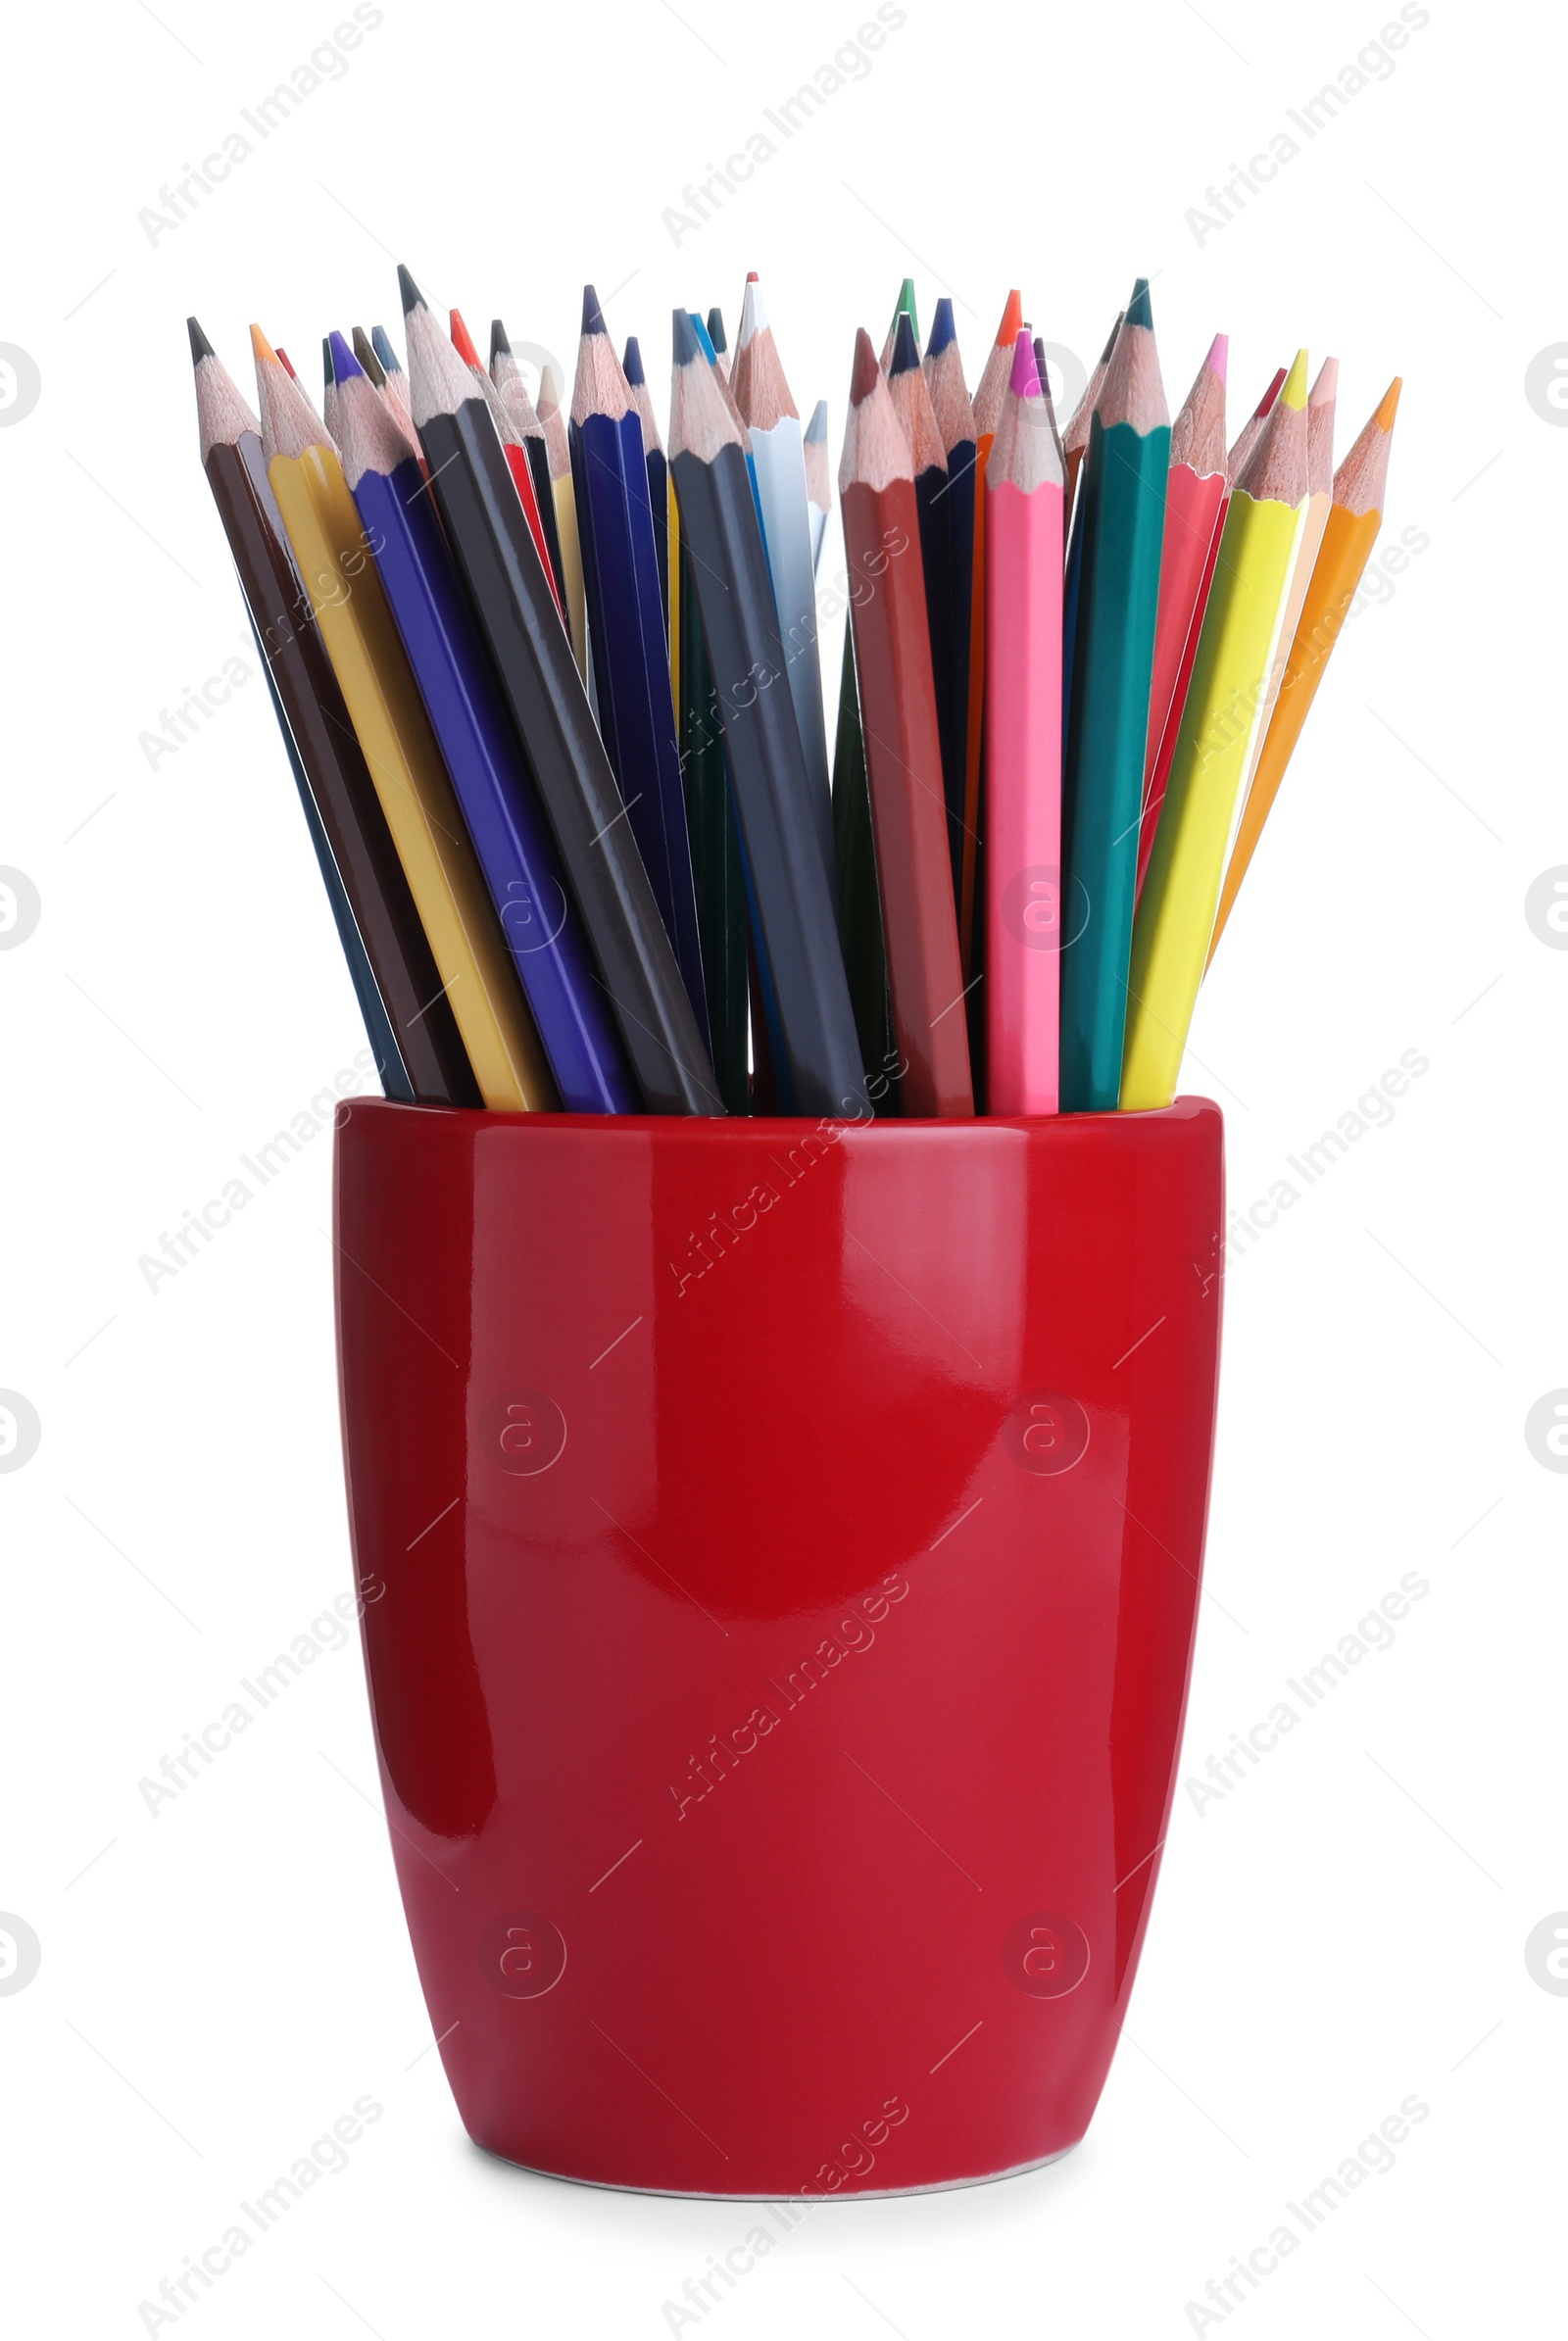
720	340
507	375
818	480
1196	495
1121	528
1351	531
904	307
1320	405
474	734
912	403
511	441
328	390
375	371
903	747
958	434
718	878
387	713
631	366
553	422
626	632
1043	369
988	395
397	381
728	574
513	605
773	428
1235	652
1024	517
1247	437
415	1041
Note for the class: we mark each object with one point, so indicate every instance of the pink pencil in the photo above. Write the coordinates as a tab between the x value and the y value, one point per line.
1024	498
1195	505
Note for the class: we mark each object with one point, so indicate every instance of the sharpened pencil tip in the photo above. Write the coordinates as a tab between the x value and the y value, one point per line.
631	366
715	329
906	307
593	317
1269	395
261	348
816	428
463	339
1011	319
868	372
1293	393
1384	418
499	347
369	364
686	345
1218	359
1139	312
382	343
1326	388
944	332
413	298
905	348
1024	381
341	359
704	340
200	346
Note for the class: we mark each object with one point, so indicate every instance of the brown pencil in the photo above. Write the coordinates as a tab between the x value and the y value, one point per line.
903	745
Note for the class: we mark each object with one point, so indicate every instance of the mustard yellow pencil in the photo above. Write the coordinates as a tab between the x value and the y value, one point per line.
388	715
555	422
1225	701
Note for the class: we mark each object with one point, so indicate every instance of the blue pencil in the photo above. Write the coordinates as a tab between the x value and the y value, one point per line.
626	632
521	867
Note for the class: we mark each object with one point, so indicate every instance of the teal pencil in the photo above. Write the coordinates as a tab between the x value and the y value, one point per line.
1118	551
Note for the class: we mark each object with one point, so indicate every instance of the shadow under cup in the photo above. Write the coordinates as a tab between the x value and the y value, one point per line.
779	1546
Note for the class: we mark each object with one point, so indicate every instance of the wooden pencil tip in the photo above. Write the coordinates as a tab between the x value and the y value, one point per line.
593	317
341	359
1269	395
866	372
1218	359
1011	319
816	428
1293	393
463	339
413	298
499	347
382	343
631	365
286	362
753	312
200	346
905	348
715	329
1326	388
1384	418
1139	312
261	348
369	364
944	332
685	344
704	340
1024	381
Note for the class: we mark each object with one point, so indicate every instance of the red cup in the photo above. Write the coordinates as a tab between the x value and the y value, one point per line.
779	1546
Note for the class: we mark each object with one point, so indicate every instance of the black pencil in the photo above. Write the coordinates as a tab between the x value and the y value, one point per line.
507	375
515	612
728	570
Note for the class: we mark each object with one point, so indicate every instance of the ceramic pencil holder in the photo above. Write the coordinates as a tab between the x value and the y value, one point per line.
779	1547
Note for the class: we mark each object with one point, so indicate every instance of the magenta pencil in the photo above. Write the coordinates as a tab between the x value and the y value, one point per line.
1024	515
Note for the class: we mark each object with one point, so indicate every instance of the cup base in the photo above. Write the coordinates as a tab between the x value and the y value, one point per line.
865	2194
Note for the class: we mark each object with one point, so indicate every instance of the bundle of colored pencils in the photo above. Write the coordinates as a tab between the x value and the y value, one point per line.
550	686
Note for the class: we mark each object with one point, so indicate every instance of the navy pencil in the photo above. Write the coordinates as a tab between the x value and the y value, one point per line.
474	733
658	469
627	630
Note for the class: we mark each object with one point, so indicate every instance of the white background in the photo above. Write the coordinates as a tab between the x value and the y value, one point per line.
1347	1925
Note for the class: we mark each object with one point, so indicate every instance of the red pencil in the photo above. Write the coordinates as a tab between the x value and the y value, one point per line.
512	440
903	747
1196	496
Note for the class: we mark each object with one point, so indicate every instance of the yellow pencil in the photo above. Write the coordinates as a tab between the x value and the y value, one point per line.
1236	650
555	422
411	780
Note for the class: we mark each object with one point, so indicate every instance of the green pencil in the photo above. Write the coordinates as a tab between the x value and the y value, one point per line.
1122	528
